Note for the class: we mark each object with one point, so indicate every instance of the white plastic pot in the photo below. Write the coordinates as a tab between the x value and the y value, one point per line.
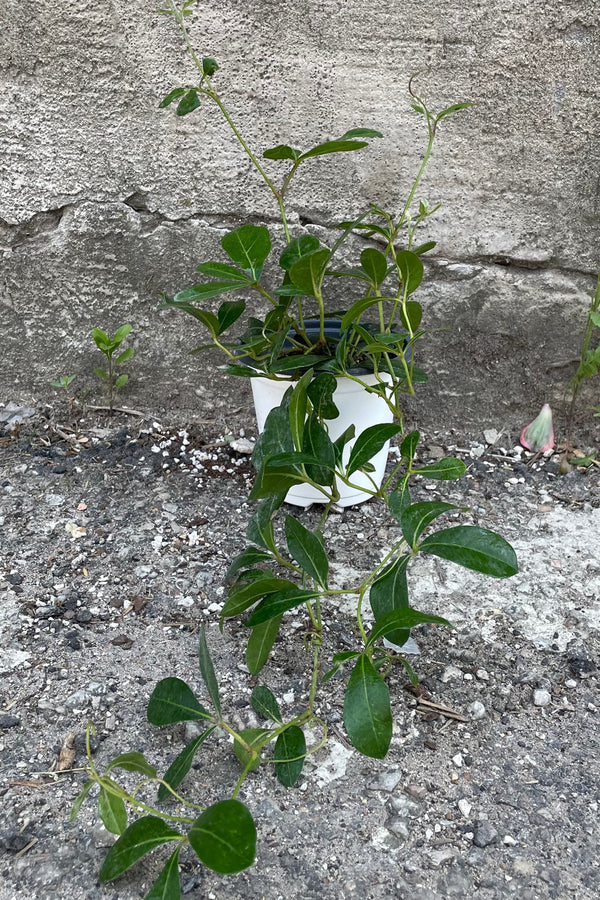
358	408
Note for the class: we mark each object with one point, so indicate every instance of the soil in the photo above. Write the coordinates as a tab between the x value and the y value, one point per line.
115	537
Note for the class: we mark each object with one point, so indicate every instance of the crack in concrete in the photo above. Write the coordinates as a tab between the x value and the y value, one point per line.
12	236
46	221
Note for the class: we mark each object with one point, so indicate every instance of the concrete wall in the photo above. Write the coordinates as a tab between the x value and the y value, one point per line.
105	200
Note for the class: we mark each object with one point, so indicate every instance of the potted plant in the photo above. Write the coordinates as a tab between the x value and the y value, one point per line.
286	565
368	345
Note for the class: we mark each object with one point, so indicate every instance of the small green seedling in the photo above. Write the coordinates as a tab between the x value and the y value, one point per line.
63	382
108	346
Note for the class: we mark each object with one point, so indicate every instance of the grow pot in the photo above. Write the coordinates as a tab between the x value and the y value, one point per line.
356	407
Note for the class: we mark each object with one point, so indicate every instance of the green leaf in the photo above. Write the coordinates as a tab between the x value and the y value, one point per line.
224	272
173	701
409	446
209	65
248	246
307	272
360	133
140	838
282	151
224	837
277	604
474	548
374	264
260	526
367	712
296	363
411	314
261	640
317	443
111	810
188	103
121	381
334	147
207	670
320	392
242	598
166	886
274	481
296	249
399	500
238	371
338	660
410	267
369	443
255	738
290	753
134	761
389	592
452	109
595	318
276	436
264	702
416	518
102	340
125	355
447	469
173	95
101	374
424	248
297	408
79	800
229	312
181	765
404	619
200	292
341	442
357	309
120	334
307	549
245	560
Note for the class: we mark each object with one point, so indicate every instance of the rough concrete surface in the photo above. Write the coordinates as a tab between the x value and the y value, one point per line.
106	200
114	543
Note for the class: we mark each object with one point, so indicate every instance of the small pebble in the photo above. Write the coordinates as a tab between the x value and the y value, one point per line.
485	834
541	697
476	710
465	808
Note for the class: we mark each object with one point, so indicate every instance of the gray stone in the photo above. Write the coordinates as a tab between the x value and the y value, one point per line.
476	710
437	858
12	415
7	722
54	499
397	825
78	700
403	806
386	781
485	834
541	697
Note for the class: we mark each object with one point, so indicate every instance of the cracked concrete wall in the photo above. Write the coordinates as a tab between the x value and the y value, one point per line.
105	200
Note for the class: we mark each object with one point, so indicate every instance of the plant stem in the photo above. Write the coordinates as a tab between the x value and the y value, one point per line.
212	94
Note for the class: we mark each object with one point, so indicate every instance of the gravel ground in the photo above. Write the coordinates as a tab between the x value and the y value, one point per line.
114	540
